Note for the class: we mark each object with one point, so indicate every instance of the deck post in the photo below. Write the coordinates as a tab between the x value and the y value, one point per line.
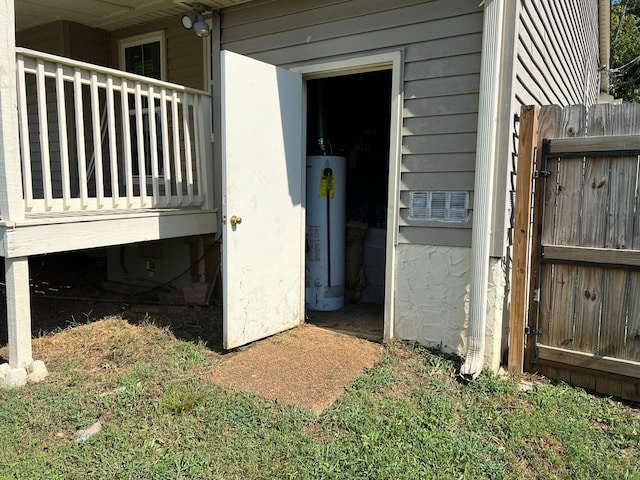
18	311
11	199
21	365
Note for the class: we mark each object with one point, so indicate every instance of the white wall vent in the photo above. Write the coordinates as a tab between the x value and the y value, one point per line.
439	206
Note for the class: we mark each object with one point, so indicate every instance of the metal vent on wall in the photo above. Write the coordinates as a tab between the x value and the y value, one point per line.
439	206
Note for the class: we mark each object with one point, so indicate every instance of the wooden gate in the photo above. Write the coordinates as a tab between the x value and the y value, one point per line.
584	280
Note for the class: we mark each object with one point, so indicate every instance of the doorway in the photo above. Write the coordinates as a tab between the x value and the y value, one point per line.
349	117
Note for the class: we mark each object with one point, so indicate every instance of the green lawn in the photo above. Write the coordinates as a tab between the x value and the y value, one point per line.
407	418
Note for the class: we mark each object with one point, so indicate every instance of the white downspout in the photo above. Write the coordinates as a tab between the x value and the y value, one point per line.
604	27
486	147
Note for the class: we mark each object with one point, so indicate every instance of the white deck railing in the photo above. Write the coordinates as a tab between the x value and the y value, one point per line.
95	138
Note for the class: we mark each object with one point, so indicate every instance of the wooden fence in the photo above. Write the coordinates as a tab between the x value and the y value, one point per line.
576	285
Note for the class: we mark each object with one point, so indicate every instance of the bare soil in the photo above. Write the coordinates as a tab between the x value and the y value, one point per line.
308	366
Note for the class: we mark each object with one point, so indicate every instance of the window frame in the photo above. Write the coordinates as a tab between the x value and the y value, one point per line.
138	40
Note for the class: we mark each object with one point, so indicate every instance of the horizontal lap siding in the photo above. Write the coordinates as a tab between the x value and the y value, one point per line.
555	63
441	41
557	53
184	51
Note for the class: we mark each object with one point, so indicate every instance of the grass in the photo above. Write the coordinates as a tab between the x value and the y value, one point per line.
407	418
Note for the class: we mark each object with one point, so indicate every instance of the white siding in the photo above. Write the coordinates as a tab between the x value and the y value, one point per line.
557	53
555	61
441	41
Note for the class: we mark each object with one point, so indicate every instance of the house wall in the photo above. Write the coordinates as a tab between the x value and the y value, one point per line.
557	53
47	38
441	42
432	299
554	49
185	57
441	45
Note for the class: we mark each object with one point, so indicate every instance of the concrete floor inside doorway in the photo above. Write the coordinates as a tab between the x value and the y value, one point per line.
363	320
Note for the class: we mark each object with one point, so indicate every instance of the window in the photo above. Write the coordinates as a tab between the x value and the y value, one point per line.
144	55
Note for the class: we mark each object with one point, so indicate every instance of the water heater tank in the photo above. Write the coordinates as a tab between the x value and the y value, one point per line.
325	235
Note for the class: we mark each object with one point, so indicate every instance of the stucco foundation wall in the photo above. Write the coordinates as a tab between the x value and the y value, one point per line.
432	299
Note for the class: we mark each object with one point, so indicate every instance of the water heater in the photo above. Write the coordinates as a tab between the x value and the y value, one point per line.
325	233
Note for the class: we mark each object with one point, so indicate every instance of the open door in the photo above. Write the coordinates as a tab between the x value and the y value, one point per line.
262	187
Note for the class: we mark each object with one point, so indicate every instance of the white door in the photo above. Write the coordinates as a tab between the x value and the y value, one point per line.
262	187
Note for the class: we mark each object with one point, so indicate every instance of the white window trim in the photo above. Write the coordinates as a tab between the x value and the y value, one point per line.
134	41
141	40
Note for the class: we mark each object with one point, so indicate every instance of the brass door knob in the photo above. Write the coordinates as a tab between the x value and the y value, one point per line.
235	220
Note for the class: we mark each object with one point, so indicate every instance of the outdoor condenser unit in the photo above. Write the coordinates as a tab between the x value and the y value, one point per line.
325	235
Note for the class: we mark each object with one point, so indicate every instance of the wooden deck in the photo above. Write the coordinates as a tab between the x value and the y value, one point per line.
60	232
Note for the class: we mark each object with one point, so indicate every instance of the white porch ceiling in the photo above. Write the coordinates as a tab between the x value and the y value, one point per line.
105	14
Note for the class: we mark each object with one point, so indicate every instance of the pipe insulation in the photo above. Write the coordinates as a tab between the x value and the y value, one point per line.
486	147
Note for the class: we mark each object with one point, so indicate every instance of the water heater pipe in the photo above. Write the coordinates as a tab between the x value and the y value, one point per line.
486	148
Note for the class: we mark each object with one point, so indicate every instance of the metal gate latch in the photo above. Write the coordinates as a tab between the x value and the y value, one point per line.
541	173
532	331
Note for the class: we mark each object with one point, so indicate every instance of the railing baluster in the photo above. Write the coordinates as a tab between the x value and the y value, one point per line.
176	146
80	147
97	140
142	174
25	145
198	150
63	136
170	138
153	142
113	148
187	147
44	135
126	143
165	146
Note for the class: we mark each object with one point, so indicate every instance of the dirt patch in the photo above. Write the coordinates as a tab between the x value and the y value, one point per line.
307	366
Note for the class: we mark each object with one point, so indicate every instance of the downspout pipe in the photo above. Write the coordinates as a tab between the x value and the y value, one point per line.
604	24
486	148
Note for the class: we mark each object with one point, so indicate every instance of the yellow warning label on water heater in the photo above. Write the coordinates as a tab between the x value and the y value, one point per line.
327	188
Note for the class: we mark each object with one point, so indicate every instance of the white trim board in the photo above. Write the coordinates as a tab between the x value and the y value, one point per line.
384	61
102	231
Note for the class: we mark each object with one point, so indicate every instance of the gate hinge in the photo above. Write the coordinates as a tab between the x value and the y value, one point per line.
541	173
532	331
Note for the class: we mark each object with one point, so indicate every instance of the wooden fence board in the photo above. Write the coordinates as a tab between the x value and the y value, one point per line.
595	144
588	304
632	346
568	198
594	362
603	257
549	126
619	235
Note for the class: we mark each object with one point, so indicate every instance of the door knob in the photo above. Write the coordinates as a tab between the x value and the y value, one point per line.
235	220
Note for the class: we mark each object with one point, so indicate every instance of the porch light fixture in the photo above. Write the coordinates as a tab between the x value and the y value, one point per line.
195	21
